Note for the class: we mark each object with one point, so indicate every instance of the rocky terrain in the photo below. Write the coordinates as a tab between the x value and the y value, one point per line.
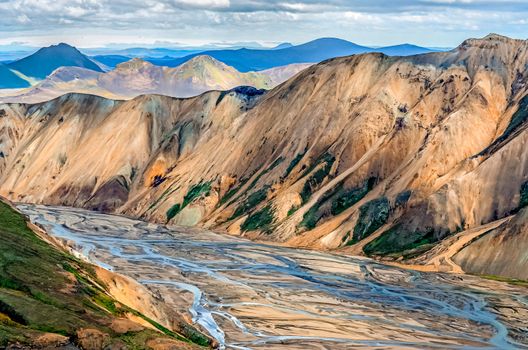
137	77
50	299
393	157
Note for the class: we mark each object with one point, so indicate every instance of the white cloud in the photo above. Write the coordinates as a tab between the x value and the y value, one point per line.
426	22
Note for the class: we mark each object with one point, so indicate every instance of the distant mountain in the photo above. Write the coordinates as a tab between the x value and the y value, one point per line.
403	50
9	80
279	75
111	60
43	62
314	51
282	46
200	74
138	77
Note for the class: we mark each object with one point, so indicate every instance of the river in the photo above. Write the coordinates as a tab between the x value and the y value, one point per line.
254	296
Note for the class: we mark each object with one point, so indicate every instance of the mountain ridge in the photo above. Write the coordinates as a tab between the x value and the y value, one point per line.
138	77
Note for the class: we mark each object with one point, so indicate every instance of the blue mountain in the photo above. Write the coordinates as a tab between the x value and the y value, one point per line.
403	50
246	60
314	51
111	60
40	64
9	80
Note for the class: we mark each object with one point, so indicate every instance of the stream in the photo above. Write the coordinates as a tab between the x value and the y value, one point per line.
248	295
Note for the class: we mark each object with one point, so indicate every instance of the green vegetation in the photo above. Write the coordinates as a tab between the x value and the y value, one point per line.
293	164
398	241
251	202
318	177
203	188
229	194
523	202
260	220
273	165
233	191
518	118
195	192
402	198
292	210
348	198
310	218
513	281
171	213
45	290
372	215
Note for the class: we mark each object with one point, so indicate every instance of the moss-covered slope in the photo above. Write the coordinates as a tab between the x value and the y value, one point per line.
50	298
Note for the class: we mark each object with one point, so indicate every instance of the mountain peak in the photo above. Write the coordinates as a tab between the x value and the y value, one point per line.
204	61
43	62
134	63
491	40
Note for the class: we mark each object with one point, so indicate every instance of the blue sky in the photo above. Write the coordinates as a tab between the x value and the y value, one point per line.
97	23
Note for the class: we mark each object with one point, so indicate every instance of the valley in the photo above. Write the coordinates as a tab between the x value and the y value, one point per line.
263	175
255	296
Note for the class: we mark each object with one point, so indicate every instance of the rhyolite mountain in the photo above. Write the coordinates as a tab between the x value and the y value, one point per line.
421	158
10	80
314	51
43	62
137	77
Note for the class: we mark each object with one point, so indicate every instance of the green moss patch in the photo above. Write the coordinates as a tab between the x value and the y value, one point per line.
251	202
348	198
517	120
293	164
193	193
398	241
260	220
317	178
523	202
372	215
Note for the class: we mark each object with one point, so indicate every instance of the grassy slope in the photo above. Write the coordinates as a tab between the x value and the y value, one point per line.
45	290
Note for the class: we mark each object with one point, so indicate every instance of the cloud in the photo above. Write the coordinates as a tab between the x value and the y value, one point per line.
433	22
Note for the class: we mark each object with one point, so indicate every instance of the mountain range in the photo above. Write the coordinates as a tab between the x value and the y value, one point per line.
39	65
137	77
255	59
314	51
418	160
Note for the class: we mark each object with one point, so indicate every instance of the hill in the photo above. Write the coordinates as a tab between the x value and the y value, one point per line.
392	157
50	299
43	62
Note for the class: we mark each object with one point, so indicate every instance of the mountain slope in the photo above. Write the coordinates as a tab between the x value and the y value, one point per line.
43	62
49	299
9	80
371	154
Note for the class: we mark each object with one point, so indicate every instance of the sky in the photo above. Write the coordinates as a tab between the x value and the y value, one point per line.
173	23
